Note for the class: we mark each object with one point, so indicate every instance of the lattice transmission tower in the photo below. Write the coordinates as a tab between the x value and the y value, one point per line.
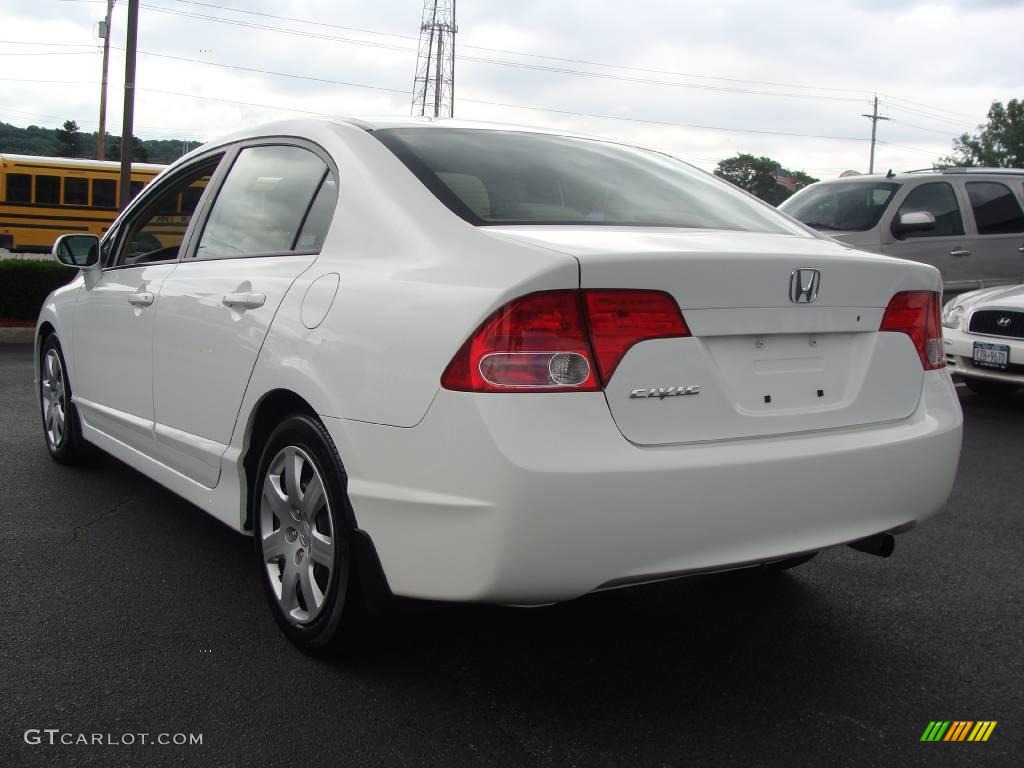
433	87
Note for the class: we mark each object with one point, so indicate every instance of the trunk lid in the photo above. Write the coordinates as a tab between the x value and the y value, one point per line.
763	364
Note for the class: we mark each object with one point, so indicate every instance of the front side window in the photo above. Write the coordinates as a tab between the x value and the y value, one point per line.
938	199
48	190
494	177
841	206
155	232
76	191
19	188
262	203
996	210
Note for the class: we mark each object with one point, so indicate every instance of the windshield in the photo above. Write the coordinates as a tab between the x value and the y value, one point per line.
494	177
841	206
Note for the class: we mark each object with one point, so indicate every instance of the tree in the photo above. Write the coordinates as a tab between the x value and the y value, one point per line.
139	153
997	144
762	177
69	140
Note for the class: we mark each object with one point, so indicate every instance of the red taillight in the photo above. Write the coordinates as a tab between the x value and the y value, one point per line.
560	341
619	319
918	314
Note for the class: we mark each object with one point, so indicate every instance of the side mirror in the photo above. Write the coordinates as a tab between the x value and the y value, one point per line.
78	251
913	221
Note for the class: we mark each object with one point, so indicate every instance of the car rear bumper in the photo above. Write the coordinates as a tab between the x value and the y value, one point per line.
536	498
959	349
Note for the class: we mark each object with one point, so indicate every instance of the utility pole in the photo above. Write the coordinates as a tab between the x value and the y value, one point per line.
127	127
433	87
874	117
101	137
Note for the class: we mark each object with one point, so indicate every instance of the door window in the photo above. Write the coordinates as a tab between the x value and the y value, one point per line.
938	199
155	232
48	190
261	206
996	210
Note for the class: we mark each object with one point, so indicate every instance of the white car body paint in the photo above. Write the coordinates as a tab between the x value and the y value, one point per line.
529	498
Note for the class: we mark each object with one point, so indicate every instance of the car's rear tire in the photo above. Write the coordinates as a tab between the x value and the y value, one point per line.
62	429
994	390
302	527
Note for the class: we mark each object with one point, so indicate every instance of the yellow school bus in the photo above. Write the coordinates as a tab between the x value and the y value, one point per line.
42	198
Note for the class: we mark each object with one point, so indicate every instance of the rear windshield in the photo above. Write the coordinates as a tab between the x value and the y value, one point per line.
494	177
841	206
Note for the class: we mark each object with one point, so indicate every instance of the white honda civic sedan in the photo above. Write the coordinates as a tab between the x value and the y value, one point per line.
984	339
482	363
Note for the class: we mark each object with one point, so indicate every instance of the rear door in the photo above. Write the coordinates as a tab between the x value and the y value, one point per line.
263	230
999	221
947	246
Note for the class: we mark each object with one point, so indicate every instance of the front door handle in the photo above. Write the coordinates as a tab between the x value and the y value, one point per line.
141	299
959	253
247	300
1021	249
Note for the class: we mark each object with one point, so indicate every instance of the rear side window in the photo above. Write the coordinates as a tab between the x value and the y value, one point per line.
262	203
938	199
996	210
19	188
318	220
494	177
76	191
104	193
48	190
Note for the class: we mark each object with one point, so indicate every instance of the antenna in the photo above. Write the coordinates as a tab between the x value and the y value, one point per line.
433	85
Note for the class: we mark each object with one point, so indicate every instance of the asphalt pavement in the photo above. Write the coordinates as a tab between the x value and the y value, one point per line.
127	611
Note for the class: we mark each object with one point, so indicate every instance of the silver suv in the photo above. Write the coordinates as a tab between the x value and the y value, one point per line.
968	222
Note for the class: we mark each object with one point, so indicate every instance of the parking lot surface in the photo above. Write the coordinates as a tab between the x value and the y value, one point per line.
126	610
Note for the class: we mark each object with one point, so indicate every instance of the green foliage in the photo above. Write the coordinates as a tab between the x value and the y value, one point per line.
69	140
756	175
25	284
999	143
139	153
46	142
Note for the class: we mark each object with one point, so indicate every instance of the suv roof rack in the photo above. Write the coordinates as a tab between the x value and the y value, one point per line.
968	169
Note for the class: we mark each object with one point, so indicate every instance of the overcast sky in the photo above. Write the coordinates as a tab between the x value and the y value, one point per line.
795	67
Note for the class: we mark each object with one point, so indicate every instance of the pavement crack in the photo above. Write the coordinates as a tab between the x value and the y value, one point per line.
105	513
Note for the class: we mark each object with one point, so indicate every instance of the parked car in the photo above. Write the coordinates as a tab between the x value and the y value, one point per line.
475	363
968	222
984	339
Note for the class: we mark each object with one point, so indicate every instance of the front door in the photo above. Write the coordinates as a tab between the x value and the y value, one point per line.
263	231
946	246
114	315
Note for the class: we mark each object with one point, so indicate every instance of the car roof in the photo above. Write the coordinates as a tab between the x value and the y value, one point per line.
874	178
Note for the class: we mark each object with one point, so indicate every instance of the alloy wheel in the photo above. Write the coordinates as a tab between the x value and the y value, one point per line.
54	398
297	531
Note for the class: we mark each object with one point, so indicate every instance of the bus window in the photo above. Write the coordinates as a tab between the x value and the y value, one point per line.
168	206
136	188
190	198
48	190
19	188
104	193
76	191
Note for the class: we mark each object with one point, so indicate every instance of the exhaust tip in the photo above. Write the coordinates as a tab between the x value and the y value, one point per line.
880	545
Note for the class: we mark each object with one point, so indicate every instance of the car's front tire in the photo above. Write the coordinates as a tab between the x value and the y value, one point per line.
61	427
994	390
302	526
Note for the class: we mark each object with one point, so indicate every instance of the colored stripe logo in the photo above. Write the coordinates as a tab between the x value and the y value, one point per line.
958	730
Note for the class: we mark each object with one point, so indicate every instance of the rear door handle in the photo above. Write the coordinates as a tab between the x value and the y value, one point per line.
1021	249
248	300
141	299
959	253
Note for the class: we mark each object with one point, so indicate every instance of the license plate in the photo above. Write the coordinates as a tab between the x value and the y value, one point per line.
991	355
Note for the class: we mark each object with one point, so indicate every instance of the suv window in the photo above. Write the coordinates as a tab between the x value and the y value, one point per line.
996	210
155	232
938	199
262	203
